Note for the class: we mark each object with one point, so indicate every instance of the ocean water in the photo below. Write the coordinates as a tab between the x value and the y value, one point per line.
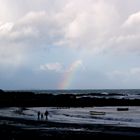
91	91
99	93
103	93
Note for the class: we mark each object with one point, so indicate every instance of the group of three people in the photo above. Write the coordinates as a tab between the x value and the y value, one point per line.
41	115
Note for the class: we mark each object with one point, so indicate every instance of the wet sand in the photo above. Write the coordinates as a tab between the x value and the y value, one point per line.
19	129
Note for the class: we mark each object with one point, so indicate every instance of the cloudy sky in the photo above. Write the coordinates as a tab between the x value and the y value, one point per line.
69	44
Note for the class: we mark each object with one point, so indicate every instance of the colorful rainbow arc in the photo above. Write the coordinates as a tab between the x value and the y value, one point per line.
69	76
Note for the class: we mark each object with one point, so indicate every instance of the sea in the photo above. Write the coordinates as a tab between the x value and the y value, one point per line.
107	93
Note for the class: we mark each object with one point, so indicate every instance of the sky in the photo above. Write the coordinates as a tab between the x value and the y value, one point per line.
69	44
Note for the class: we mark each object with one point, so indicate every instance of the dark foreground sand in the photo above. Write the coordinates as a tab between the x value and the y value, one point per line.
21	129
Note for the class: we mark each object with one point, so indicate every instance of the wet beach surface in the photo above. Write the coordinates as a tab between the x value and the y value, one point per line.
24	127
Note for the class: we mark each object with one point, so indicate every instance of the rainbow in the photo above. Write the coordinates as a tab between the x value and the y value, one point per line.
69	75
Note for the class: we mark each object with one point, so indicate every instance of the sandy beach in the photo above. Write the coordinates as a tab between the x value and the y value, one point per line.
19	127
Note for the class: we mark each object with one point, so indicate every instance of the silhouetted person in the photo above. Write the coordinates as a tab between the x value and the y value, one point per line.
38	114
41	116
46	114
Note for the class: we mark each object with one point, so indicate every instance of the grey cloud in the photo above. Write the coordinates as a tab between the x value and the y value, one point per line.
87	24
76	24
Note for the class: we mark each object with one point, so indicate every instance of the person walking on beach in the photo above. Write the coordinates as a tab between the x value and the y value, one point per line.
42	116
38	114
46	114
